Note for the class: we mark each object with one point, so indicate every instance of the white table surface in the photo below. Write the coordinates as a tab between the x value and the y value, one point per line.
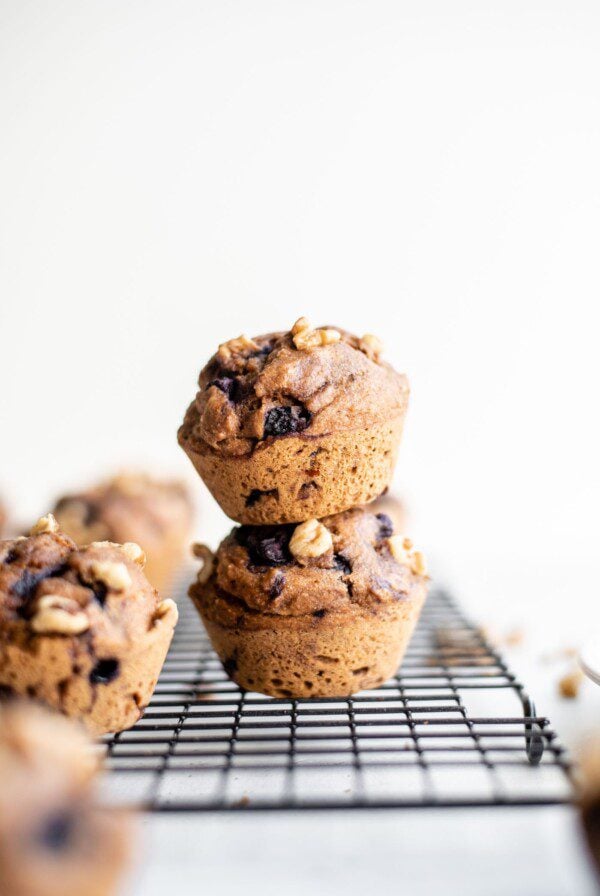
471	851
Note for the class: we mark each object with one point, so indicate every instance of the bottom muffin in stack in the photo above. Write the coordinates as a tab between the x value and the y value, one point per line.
324	608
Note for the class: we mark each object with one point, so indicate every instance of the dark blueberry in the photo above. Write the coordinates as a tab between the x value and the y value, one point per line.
104	671
224	383
306	489
284	420
28	581
232	387
319	613
100	591
386	526
99	588
6	692
266	545
342	563
256	494
230	665
57	831
277	586
11	556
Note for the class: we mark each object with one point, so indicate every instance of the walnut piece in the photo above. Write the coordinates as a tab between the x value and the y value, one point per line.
402	550
237	347
57	615
310	539
134	552
45	524
301	324
131	550
204	553
371	345
112	574
570	683
306	338
166	607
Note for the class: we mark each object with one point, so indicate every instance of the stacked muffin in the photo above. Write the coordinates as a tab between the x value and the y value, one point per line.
292	433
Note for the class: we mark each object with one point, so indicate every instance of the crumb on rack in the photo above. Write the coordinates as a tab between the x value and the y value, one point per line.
569	684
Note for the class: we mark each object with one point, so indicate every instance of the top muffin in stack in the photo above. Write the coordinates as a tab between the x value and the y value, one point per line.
301	427
290	426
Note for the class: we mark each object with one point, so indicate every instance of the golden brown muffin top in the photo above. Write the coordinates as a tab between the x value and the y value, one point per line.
129	507
306	381
49	586
347	560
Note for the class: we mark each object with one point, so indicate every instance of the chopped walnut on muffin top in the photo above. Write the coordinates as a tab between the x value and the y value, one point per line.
316	566
49	586
313	380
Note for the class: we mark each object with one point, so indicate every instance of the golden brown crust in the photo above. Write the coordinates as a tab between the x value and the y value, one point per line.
155	513
330	388
293	478
81	629
289	426
334	655
273	615
54	839
358	570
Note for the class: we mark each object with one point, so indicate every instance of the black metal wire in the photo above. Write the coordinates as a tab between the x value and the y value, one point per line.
205	745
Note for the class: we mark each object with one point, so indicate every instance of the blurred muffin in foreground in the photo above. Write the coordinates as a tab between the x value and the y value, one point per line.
55	840
589	798
154	513
81	629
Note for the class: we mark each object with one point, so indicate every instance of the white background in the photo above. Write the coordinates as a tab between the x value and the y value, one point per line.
175	173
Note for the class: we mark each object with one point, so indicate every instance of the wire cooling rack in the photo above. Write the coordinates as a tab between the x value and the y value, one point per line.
453	728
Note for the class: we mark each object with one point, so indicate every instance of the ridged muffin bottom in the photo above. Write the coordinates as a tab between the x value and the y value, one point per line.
333	655
293	478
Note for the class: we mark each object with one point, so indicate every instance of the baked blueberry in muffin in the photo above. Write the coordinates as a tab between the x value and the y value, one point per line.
55	839
81	629
323	608
394	508
154	513
298	425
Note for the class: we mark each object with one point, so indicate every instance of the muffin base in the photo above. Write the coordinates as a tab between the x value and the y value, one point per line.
334	655
56	671
293	478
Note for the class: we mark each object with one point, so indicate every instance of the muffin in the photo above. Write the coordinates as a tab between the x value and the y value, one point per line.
81	629
291	426
393	507
55	840
157	514
589	798
321	609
